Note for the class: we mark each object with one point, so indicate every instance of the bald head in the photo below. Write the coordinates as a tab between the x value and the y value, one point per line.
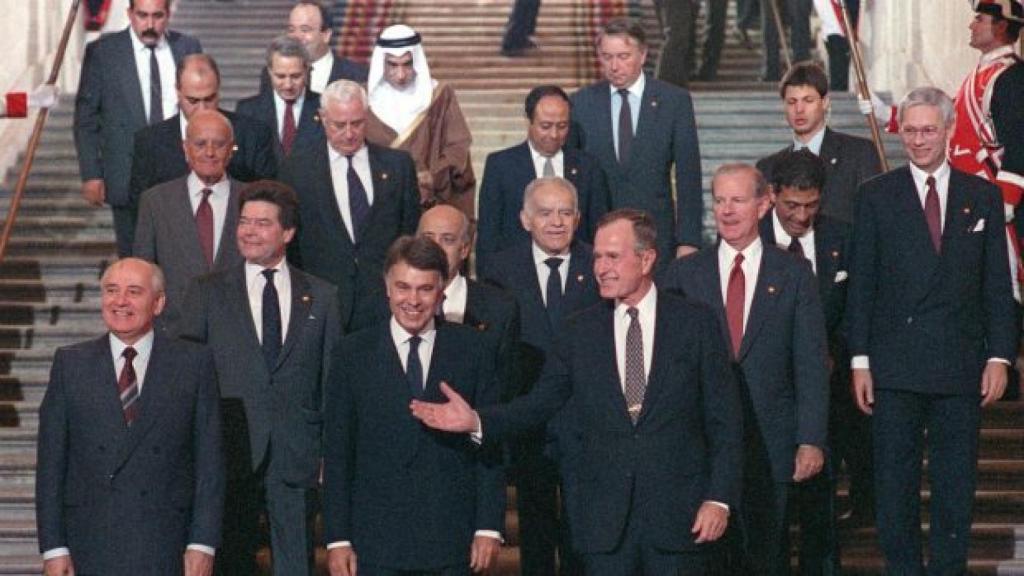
450	229
209	144
198	84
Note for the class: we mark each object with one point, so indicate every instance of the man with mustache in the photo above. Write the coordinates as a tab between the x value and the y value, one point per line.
127	84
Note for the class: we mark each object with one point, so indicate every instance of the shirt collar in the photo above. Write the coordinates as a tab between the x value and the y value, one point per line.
456	289
537	155
941	174
142	346
539	255
401	336
221	188
814	144
326	59
253	271
996	54
781	236
138	45
281	103
636	88
751	253
645	306
361	154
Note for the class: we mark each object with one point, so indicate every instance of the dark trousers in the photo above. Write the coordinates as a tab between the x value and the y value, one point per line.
798	14
838	49
522	22
813	502
850	432
676	59
374	570
124	228
543	526
715	18
764	529
636	557
748	14
900	421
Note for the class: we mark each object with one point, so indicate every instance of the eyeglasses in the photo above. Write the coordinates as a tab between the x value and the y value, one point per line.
928	132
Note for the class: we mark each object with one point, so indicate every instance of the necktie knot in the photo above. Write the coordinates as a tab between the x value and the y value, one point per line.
738	261
632	312
414	343
930	182
623	92
553	263
795	246
129	353
269	275
206	192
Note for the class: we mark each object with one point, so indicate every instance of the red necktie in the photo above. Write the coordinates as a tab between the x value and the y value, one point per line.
735	298
204	226
932	214
128	386
288	130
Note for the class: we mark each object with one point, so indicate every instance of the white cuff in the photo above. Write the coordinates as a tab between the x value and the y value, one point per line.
340	544
477	436
55	553
490	534
860	362
719	504
202	548
1000	360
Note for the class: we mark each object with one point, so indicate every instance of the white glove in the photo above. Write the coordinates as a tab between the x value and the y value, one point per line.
1009	212
44	96
881	110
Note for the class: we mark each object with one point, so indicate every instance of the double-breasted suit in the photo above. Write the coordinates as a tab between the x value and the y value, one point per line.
307	129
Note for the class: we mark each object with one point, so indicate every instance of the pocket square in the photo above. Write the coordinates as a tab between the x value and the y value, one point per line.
841	276
979	226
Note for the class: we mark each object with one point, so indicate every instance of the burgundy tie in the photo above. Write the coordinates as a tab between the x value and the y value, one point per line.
204	226
735	300
288	130
128	386
932	214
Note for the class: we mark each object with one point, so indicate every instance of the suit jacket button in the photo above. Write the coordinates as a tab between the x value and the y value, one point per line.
910	319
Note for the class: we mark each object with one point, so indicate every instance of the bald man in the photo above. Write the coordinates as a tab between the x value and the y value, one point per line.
187	225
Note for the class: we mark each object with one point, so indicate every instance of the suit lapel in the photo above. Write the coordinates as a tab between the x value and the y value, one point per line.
763	304
576	282
156	390
661	358
648	120
129	82
228	246
709	280
831	152
607	363
309	119
302	301
104	381
602	125
910	216
329	209
240	303
383	192
180	208
959	212
571	167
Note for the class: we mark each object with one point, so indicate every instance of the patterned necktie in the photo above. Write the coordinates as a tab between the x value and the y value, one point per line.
735	300
636	379
932	214
128	385
795	247
204	226
553	293
413	368
549	168
271	343
288	131
625	127
156	93
358	202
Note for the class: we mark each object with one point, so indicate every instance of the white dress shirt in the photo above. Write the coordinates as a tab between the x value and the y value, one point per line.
279	108
321	72
543	271
454	305
143	350
218	202
636	94
814	144
646	308
255	282
783	240
557	161
339	179
165	61
751	268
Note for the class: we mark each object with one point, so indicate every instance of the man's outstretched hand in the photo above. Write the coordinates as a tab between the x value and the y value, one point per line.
455	415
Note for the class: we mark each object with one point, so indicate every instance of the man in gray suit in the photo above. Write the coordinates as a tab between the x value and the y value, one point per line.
639	128
271	327
187	225
127	83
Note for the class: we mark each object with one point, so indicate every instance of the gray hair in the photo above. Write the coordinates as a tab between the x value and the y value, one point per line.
287	47
730	168
158	281
342	91
928	96
532	187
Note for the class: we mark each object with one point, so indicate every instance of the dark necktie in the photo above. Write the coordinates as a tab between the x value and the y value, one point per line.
795	247
288	131
932	214
204	226
156	104
128	385
625	127
636	379
735	300
358	203
553	293
271	321
413	368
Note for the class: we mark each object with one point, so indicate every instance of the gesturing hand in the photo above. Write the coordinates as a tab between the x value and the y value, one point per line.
455	415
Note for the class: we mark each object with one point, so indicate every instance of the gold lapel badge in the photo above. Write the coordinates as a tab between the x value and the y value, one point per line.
771	289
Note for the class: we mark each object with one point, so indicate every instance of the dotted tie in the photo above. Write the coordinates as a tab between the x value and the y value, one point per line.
636	379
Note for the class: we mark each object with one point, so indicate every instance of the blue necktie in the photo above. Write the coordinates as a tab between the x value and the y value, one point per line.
271	321
358	202
553	294
413	368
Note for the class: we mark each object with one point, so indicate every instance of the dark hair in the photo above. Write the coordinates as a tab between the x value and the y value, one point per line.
167	5
806	73
541	92
326	22
276	193
195	58
418	252
643	226
623	26
802	170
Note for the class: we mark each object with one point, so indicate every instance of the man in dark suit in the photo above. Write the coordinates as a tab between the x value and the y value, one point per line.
310	22
796	15
849	160
354	200
767	303
639	128
289	107
526	270
187	225
158	155
646	377
508	171
795	224
130	475
121	91
423	502
522	22
272	328
465	301
932	331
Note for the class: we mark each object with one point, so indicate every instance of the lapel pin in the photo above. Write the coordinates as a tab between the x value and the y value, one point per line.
481	326
573	171
967	209
383	175
834	160
580	278
234	148
835	253
316	118
654	103
771	289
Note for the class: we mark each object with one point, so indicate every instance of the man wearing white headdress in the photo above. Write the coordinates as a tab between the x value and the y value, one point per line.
411	111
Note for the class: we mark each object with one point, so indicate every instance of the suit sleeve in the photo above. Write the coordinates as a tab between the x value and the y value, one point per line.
1008	118
258	162
87	123
409	195
810	368
599	201
689	193
144	244
208	502
141	178
863	281
52	460
490	471
489	214
723	415
1001	330
332	337
191	324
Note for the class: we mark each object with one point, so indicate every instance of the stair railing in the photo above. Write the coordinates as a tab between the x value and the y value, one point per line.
37	132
